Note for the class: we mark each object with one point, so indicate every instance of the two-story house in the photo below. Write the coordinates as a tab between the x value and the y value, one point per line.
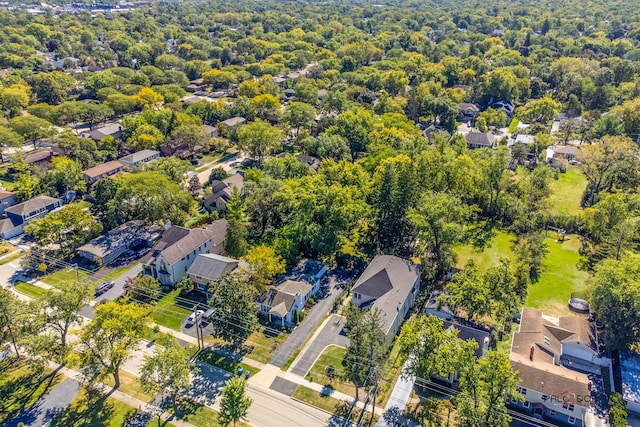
221	192
172	255
559	367
282	303
95	173
390	284
7	199
20	214
208	267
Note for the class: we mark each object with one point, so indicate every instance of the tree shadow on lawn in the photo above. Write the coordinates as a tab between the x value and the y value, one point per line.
90	409
12	402
481	234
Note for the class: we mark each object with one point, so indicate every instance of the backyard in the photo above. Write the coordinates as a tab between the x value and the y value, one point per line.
560	274
566	192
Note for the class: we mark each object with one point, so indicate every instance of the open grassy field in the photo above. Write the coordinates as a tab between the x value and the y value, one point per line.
263	344
30	290
224	362
560	274
566	192
94	411
331	356
21	385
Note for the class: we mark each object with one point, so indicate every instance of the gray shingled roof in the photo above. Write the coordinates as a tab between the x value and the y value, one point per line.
139	156
102	169
177	242
32	205
212	266
280	298
114	240
479	138
389	280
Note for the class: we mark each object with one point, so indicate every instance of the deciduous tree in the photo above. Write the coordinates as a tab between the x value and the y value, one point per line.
234	405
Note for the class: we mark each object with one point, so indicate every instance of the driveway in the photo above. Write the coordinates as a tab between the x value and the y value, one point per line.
330	334
113	293
203	176
49	405
334	282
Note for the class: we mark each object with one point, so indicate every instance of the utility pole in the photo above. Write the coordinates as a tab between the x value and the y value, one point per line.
195	311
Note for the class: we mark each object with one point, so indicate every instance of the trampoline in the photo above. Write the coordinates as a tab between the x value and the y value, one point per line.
579	305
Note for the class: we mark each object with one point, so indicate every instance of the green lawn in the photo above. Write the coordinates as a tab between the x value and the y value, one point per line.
156	423
30	290
263	345
94	411
331	356
328	403
64	275
167	312
8	185
21	385
198	414
10	258
560	277
566	192
129	384
497	247
82	204
224	362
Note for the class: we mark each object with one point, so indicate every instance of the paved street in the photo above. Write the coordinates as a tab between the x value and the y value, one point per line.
49	405
115	292
330	334
334	281
226	165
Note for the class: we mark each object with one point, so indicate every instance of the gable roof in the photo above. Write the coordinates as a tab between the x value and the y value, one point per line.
99	170
32	205
6	225
281	297
469	107
212	266
123	235
105	130
482	337
219	230
37	157
177	242
4	194
233	121
548	334
480	138
139	156
225	187
388	280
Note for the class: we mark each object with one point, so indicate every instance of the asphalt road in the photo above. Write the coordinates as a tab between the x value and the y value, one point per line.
113	293
331	334
49	405
334	280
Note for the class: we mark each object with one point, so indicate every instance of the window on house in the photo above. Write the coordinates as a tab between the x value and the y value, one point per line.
569	406
526	404
572	420
522	391
547	340
552	413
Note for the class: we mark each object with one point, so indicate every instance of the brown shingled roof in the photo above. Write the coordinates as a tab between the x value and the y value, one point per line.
102	169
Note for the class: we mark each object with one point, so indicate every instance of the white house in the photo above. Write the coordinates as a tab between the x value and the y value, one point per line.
172	255
282	303
22	213
208	267
391	284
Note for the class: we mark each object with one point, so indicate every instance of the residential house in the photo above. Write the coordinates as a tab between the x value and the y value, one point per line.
208	267
142	156
95	173
210	131
630	372
309	270
41	158
468	112
22	213
279	80
109	129
172	255
507	106
108	247
390	284
567	152
524	139
196	85
7	199
289	93
431	131
282	303
312	162
480	140
232	123
221	192
559	367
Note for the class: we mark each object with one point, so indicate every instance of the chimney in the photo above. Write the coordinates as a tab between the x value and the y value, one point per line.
531	353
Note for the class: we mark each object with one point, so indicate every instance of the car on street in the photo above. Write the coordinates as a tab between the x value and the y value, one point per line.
193	316
104	287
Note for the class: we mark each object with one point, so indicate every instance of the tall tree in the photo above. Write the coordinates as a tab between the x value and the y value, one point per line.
299	115
234	405
258	139
236	313
62	305
168	371
108	340
264	266
31	128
